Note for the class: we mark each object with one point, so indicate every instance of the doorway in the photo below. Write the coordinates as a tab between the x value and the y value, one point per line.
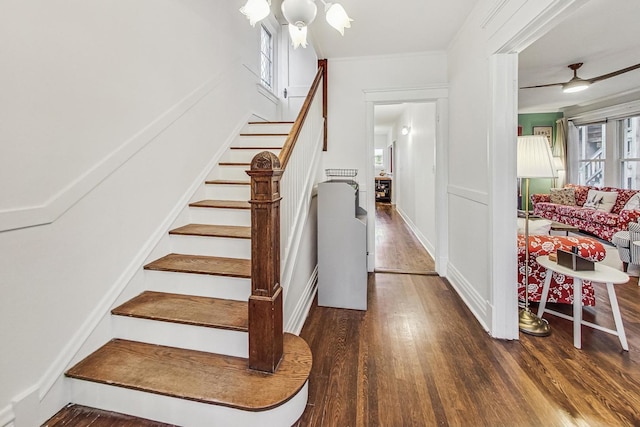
404	141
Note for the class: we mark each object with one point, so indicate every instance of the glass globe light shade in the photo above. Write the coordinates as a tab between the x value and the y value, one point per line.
298	35
337	17
299	12
256	10
576	84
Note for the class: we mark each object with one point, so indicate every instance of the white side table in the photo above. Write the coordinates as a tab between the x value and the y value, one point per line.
601	274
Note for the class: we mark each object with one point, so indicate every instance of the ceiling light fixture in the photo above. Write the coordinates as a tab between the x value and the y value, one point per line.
299	14
576	84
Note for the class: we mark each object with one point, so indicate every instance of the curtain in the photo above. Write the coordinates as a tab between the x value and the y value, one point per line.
572	153
560	152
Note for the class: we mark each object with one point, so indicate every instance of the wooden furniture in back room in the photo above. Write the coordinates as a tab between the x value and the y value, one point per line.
383	189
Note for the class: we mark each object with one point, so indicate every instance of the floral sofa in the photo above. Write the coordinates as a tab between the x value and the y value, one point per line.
593	221
561	288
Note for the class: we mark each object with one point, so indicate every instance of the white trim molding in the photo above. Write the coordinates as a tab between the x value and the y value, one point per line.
473	300
53	208
301	311
7	417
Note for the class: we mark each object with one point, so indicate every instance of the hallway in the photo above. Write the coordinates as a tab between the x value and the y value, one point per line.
397	248
418	357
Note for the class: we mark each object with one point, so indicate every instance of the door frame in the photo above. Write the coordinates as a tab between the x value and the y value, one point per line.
437	94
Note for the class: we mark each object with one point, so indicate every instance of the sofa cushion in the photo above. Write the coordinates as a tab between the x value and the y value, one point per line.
563	196
601	200
632	204
581	192
623	197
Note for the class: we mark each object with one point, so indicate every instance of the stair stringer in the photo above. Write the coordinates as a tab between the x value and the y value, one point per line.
97	327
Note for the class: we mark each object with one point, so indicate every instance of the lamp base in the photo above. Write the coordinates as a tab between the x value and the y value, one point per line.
531	324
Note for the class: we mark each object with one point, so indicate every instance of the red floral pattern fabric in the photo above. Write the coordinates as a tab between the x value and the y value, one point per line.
601	224
561	289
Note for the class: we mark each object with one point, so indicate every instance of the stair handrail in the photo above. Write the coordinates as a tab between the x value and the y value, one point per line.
292	139
273	234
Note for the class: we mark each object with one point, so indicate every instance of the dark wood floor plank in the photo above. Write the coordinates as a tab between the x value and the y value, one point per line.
397	248
201	264
187	309
420	358
199	376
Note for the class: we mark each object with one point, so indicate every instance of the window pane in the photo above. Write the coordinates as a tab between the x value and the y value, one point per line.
266	58
630	152
379	157
591	153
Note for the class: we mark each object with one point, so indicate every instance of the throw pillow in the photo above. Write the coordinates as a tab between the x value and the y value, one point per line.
563	196
633	203
536	226
601	200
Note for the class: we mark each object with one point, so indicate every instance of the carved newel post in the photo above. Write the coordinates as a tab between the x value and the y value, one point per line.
265	302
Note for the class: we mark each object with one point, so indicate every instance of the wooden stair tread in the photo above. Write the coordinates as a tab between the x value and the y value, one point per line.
199	376
234	164
187	309
270	123
209	230
78	415
228	204
201	264
227	181
264	134
256	148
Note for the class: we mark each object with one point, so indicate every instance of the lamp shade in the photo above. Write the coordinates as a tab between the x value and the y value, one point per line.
337	17
576	84
298	35
534	158
299	12
256	10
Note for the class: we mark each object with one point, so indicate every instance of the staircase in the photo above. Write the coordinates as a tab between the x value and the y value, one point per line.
180	350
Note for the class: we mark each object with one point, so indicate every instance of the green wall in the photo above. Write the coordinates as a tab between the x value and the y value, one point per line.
527	122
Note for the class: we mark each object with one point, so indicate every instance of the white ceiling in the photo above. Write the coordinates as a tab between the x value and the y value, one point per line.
604	35
383	27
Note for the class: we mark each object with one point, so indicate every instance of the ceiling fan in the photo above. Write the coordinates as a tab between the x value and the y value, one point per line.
576	84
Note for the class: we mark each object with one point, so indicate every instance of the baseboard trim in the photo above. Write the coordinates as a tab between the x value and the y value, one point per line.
474	301
301	311
426	244
58	367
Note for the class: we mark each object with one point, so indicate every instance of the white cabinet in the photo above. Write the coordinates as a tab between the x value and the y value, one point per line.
342	246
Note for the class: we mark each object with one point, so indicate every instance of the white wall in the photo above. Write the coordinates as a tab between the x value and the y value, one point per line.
110	111
414	174
482	136
348	79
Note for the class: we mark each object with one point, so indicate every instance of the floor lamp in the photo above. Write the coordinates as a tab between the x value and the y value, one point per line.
534	161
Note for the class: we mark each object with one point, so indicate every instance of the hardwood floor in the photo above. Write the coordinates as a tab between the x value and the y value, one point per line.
418	357
397	248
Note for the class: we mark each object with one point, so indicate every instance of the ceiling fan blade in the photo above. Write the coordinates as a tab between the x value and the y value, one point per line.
615	73
550	84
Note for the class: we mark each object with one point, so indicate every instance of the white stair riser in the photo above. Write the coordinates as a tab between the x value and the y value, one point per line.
211	340
228	192
204	285
235	173
245	155
267	128
183	412
220	216
259	141
211	246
